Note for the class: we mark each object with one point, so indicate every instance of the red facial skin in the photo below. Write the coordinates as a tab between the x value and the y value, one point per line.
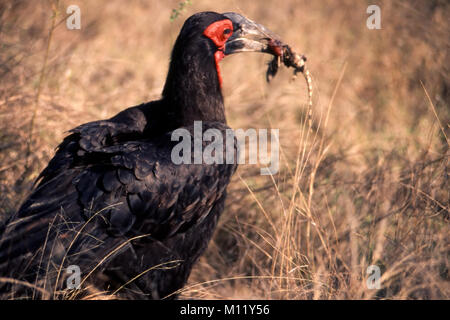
219	32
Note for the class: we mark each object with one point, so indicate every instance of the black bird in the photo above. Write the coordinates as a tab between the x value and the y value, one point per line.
113	203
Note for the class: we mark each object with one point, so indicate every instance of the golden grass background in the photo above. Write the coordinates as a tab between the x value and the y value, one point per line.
368	185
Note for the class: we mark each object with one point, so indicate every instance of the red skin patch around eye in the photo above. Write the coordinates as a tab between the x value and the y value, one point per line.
215	32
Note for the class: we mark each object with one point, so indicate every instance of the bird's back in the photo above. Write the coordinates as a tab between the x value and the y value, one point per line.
116	208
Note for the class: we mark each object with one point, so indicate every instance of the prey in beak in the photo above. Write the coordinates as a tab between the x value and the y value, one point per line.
249	36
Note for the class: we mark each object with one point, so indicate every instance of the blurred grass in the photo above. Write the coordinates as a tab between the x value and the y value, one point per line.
369	185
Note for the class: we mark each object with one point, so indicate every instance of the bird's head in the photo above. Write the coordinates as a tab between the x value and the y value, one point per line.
211	34
193	84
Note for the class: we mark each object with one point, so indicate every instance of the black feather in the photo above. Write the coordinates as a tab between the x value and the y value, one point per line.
112	181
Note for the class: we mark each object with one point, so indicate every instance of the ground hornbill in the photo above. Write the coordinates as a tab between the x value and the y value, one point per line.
112	202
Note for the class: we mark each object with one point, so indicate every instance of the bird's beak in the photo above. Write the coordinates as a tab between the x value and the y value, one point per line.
249	36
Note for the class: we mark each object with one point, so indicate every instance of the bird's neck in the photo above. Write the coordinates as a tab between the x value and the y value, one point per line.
192	91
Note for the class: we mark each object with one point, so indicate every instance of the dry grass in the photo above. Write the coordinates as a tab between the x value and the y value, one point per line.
367	185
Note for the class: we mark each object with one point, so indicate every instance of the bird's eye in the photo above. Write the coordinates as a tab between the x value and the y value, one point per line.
226	31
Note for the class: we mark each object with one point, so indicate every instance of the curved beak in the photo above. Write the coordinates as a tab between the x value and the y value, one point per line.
249	36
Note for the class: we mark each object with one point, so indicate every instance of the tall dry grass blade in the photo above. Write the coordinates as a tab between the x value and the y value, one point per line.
110	254
230	279
55	12
44	292
163	265
435	113
266	215
76	237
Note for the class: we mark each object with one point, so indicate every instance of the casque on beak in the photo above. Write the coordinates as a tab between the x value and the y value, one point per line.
249	36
